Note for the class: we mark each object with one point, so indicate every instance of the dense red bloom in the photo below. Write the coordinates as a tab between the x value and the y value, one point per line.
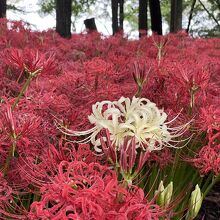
29	60
210	118
18	125
90	191
5	191
208	159
97	66
5	194
82	71
163	158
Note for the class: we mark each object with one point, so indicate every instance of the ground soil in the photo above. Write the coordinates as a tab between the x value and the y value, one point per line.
211	206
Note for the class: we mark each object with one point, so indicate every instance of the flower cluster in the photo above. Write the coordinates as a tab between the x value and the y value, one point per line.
90	191
127	105
138	118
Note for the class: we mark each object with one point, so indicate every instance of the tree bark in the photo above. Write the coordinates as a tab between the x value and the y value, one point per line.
3	8
142	18
90	24
115	27
121	15
190	15
156	18
176	15
63	17
209	13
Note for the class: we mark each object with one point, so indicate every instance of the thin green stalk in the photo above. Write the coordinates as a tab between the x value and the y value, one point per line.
214	181
23	90
14	137
139	91
159	54
175	163
25	86
10	155
207	182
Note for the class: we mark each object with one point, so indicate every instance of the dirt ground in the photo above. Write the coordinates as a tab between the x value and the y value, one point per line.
211	206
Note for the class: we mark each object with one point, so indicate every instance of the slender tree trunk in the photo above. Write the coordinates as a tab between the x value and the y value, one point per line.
211	15
190	15
90	24
176	15
121	14
63	17
115	27
156	18
142	18
3	8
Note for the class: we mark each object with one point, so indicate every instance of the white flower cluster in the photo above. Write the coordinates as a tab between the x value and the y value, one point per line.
139	118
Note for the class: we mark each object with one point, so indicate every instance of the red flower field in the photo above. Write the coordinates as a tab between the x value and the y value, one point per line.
48	85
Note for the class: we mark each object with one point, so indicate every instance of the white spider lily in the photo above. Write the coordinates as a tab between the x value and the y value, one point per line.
139	118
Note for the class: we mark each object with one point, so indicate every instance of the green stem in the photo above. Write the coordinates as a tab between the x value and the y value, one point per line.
14	137
10	156
23	90
138	93
192	102
214	181
207	182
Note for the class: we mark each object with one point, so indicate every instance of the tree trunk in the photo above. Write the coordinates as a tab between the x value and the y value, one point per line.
63	17
176	15
121	15
2	8
142	18
90	24
156	18
190	15
115	27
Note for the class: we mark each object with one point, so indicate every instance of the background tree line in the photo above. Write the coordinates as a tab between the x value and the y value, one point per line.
143	15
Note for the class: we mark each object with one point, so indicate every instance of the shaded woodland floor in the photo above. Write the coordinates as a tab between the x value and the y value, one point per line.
211	206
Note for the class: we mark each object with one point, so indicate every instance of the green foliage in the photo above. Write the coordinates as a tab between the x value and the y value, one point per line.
78	6
47	6
205	19
165	9
131	13
81	6
202	24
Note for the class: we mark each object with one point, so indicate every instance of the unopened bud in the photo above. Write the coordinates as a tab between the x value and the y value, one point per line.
194	203
165	194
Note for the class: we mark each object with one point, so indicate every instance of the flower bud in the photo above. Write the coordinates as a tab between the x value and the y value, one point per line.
165	194
194	203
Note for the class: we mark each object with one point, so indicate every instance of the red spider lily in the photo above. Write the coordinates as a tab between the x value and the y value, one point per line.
30	61
98	71
49	158
208	159
82	191
5	191
97	66
66	91
15	59
140	75
6	198
19	126
210	118
163	158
